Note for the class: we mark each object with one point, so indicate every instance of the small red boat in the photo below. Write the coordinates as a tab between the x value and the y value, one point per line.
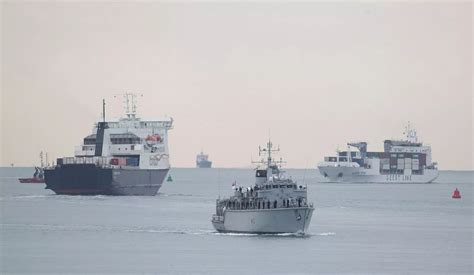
38	177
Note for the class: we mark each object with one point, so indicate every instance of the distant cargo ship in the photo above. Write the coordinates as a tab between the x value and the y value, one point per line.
124	157
202	161
402	161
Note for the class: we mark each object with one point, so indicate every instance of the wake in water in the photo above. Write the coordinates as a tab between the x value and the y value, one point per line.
325	234
54	197
170	231
25	197
177	195
153	230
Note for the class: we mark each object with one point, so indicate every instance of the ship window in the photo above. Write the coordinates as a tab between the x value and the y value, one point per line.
128	138
289	186
275	186
282	186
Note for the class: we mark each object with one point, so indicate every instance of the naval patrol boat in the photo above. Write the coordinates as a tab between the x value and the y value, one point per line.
403	161
125	157
274	204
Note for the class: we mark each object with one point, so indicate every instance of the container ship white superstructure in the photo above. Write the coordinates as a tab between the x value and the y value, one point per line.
125	157
402	161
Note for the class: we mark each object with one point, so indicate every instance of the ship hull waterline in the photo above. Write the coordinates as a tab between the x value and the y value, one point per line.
266	221
204	164
357	175
92	180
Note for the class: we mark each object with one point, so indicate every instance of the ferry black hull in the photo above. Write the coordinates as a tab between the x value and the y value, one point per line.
88	179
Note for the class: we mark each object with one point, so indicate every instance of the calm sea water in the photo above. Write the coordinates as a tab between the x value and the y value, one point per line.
356	228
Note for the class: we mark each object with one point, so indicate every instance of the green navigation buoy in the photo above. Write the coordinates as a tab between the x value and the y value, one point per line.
169	178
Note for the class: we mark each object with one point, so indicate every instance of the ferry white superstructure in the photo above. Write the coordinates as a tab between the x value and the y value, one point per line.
402	161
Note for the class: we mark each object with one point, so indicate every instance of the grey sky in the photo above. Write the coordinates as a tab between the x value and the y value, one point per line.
315	75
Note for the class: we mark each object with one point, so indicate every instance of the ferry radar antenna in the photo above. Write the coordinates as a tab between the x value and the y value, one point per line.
103	110
130	104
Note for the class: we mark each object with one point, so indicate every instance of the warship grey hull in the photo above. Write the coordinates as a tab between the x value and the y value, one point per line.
92	180
264	221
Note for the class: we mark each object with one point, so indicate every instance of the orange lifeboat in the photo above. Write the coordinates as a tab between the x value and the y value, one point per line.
153	138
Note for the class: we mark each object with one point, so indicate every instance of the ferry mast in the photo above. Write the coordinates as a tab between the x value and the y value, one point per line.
129	104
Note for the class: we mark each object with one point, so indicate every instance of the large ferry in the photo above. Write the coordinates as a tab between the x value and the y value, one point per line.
402	161
125	157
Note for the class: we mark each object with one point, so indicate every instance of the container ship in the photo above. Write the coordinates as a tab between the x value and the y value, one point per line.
125	157
202	161
402	161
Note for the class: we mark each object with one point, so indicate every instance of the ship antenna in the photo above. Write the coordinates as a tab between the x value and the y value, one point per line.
269	147
103	110
41	159
130	104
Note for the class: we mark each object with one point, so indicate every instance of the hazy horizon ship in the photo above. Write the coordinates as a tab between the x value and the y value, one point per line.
125	157
402	161
274	204
202	161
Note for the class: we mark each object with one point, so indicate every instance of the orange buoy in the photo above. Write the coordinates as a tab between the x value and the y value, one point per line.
456	194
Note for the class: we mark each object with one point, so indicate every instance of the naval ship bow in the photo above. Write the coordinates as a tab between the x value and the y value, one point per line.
274	204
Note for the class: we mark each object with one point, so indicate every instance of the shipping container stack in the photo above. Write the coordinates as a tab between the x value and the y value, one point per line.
406	164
